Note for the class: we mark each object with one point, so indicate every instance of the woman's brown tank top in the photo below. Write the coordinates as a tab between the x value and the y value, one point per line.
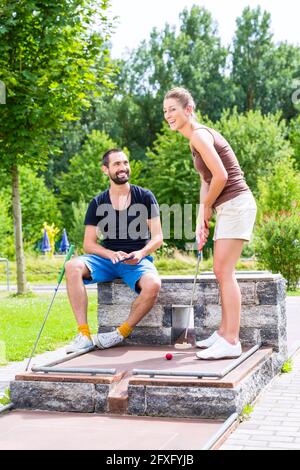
236	183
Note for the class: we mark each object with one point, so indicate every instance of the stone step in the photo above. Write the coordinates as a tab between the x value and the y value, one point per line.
125	393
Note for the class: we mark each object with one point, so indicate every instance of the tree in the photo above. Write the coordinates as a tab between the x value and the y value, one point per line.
252	47
193	58
6	227
48	54
262	72
284	65
38	204
294	137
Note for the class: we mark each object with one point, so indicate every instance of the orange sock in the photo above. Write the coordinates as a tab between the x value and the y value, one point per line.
85	330
125	329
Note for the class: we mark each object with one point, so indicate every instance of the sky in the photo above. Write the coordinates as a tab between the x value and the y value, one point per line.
138	17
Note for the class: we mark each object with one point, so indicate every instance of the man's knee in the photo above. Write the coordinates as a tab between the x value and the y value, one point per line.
76	268
151	287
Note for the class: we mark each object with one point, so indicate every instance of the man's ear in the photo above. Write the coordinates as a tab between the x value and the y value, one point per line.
104	169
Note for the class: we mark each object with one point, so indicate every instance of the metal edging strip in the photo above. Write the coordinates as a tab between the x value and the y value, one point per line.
67	358
6	408
198	374
75	370
224	427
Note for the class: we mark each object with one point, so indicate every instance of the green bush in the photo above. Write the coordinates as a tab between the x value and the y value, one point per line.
287	366
76	232
277	245
259	141
294	137
280	190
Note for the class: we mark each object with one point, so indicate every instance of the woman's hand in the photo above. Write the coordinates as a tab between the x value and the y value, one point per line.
208	212
202	232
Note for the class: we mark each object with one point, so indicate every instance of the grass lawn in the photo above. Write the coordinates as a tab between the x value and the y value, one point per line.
293	293
21	319
44	269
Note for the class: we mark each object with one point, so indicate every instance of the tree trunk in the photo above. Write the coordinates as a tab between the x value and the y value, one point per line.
17	213
250	98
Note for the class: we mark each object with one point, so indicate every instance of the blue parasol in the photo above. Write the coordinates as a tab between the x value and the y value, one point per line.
45	243
64	244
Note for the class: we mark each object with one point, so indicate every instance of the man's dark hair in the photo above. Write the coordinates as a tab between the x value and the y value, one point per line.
105	158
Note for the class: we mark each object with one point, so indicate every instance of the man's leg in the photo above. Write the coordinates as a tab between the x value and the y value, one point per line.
149	285
76	271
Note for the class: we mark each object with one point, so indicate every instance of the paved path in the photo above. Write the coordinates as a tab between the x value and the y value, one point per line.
275	420
7	373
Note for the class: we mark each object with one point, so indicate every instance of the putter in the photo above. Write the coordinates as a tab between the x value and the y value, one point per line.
60	277
185	344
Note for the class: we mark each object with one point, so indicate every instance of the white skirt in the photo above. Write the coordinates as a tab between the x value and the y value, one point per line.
236	218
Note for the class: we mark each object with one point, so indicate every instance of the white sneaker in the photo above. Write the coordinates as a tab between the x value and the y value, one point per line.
206	343
80	342
221	349
107	340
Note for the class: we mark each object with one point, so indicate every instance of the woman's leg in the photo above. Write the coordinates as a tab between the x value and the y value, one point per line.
226	255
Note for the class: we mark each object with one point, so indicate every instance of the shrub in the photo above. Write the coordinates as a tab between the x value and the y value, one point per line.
259	141
277	245
279	191
76	232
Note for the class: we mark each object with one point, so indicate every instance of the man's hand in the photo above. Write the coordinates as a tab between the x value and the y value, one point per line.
135	256
117	256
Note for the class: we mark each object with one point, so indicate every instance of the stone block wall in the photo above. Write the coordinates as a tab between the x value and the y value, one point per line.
263	317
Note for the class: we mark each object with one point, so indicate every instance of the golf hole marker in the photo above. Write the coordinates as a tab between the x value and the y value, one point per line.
182	318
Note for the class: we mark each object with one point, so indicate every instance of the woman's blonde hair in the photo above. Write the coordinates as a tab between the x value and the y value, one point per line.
183	96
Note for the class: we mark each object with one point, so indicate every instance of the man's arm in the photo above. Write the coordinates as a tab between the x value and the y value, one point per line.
91	246
156	236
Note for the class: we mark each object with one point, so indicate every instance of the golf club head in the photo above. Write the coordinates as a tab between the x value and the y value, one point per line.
183	345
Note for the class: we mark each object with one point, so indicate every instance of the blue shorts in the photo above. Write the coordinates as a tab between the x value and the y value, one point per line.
103	270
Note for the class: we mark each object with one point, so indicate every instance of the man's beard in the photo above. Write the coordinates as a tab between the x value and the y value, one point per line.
118	180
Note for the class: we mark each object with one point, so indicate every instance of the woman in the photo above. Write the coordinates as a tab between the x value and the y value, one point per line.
223	189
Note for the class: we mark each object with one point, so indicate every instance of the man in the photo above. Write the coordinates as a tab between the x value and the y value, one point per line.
127	217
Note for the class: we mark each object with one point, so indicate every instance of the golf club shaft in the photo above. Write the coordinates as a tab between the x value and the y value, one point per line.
60	277
193	292
39	335
196	276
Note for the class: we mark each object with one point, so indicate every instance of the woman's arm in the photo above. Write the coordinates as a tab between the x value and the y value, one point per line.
202	228
203	142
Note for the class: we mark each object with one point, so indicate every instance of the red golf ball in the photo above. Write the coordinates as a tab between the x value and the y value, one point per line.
169	356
